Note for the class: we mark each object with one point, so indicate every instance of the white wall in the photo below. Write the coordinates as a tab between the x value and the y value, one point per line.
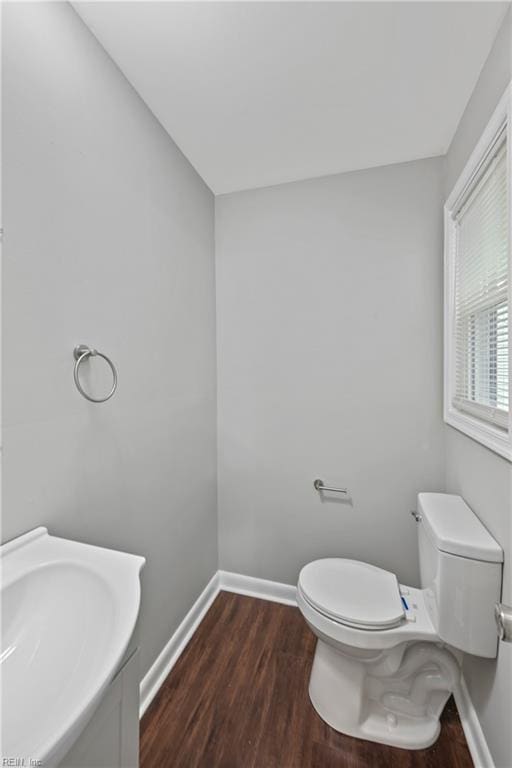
329	314
482	477
109	242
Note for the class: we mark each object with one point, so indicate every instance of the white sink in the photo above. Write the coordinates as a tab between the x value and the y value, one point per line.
68	613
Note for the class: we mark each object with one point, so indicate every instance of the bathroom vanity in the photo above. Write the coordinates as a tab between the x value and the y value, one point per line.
111	737
69	653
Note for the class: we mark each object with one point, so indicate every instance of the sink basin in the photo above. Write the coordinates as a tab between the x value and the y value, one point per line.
68	613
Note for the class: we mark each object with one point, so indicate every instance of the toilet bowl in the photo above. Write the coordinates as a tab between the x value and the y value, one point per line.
388	655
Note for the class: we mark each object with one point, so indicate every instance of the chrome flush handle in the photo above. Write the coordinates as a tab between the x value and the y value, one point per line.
416	516
503	616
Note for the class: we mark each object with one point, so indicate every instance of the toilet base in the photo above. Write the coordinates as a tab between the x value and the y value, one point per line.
368	699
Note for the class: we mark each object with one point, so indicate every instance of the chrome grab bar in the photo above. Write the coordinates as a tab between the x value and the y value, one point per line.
319	486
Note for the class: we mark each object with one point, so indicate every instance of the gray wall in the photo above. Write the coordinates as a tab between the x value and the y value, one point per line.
108	241
481	476
329	323
329	339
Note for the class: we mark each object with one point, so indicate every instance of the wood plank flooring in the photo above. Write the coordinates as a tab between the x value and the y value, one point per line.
238	698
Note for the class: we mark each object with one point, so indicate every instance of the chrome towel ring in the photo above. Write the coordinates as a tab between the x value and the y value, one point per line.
81	353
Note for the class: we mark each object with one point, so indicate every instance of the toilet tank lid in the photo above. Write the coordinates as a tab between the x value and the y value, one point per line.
454	528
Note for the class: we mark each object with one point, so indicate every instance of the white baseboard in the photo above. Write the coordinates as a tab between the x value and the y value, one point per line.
222	580
155	676
262	588
475	738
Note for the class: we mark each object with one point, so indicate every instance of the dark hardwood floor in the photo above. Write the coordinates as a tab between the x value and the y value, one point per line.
238	698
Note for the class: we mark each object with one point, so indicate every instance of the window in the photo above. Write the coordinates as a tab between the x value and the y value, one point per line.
477	291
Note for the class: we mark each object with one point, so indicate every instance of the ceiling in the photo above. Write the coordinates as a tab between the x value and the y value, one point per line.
260	93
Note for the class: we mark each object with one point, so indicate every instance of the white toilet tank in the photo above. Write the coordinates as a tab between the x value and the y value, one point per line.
460	567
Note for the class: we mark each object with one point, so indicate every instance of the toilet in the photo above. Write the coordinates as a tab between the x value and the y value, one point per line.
388	655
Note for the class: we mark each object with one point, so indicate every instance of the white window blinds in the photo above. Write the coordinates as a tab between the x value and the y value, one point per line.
481	292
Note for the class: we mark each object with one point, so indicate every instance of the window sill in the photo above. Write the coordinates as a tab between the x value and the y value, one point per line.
497	440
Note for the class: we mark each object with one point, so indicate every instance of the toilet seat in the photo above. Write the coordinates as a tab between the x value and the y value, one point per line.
353	593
